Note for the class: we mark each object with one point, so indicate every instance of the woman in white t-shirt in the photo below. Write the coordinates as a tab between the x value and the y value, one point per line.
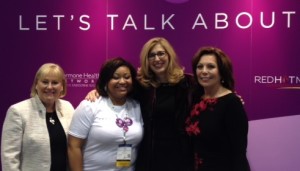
104	135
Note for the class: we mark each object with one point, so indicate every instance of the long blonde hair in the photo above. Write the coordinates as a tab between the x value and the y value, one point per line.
174	70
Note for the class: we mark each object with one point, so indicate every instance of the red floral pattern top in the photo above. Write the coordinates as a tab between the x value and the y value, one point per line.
192	121
218	129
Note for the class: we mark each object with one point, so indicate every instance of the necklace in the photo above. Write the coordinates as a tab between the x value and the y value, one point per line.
122	123
51	120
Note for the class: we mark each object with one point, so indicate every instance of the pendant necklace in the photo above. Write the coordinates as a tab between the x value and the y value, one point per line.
122	123
51	120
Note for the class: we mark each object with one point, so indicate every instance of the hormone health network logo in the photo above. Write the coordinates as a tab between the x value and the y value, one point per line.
279	82
81	80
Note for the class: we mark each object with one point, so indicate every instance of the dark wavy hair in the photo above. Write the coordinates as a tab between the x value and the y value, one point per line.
106	73
224	65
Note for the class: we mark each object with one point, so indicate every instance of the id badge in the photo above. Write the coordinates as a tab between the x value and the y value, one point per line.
124	155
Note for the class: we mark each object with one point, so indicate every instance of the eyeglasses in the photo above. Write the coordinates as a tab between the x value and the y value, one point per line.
159	54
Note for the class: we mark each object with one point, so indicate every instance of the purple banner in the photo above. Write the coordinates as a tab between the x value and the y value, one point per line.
261	37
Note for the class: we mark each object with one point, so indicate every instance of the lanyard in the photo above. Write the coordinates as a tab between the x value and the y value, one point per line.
122	123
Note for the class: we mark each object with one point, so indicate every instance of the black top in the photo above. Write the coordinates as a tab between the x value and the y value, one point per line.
164	130
58	143
222	142
165	144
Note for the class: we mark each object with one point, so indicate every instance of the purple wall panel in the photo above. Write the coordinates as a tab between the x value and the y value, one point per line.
79	36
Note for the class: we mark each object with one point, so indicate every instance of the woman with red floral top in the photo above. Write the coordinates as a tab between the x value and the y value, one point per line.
218	123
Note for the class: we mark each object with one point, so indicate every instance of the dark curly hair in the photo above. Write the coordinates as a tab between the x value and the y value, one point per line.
106	73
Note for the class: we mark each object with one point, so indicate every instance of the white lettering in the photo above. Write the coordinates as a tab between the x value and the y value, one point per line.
84	22
145	24
73	76
262	20
267	79
112	16
20	24
58	20
202	23
218	20
238	17
39	22
167	21
129	23
289	17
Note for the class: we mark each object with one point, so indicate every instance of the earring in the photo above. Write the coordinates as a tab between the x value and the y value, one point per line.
222	81
105	88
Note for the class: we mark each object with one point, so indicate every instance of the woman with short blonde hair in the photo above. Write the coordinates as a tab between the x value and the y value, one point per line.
34	130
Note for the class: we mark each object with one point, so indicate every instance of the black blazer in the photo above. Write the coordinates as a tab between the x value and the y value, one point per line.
181	158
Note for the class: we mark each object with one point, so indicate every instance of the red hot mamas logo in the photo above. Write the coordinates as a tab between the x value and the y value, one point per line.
279	82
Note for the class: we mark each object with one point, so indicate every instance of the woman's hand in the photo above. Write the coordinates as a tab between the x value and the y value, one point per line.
239	96
92	96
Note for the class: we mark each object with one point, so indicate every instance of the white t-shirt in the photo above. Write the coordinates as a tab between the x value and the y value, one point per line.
96	122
